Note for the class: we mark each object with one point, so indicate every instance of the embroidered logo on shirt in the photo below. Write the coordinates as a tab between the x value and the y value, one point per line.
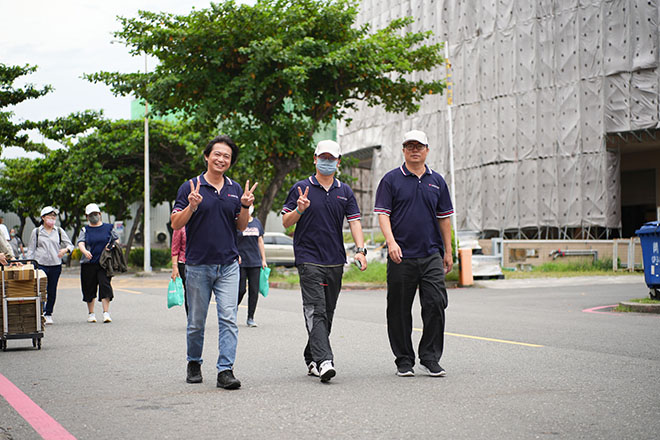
251	232
232	195
342	198
434	186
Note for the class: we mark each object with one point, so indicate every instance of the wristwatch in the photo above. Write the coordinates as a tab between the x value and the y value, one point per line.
362	251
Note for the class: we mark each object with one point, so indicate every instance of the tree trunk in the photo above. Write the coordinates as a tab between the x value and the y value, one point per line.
136	221
282	168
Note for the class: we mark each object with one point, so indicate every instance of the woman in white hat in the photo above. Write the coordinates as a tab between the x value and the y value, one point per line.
92	240
48	245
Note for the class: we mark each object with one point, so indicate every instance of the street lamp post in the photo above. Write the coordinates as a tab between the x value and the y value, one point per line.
147	201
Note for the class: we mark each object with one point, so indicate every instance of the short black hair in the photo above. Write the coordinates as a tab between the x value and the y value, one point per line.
222	139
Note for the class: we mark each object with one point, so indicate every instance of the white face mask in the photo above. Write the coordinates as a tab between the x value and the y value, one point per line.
94	218
50	222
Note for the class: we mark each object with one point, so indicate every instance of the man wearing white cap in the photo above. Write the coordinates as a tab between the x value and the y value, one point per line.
317	206
48	245
414	209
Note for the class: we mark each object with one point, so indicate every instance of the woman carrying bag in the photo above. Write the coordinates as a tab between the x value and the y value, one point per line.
48	245
92	240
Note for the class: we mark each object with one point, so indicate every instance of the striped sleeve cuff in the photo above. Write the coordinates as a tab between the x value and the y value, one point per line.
353	217
175	210
286	210
384	211
444	214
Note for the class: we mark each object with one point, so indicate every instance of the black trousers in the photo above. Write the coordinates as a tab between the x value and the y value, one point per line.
249	275
182	274
92	278
403	280
320	287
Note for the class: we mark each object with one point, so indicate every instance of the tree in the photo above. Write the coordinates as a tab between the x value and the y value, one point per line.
103	165
9	95
111	160
272	74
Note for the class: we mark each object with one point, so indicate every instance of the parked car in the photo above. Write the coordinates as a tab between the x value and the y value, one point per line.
279	249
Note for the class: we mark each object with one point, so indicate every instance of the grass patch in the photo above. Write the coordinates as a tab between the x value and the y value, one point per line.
376	273
625	309
563	269
282	275
645	301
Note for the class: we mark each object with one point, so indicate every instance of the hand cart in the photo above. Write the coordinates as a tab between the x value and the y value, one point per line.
21	301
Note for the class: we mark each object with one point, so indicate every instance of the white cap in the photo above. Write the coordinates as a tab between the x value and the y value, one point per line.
92	207
328	146
47	210
416	135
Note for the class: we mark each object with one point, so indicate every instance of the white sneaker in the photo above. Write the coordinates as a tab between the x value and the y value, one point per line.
106	317
49	319
312	370
91	318
327	371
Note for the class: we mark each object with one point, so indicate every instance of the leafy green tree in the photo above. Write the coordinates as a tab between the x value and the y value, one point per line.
20	180
273	74
10	132
104	165
111	163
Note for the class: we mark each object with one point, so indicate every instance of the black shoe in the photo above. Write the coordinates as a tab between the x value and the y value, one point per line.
194	372
227	380
405	371
433	368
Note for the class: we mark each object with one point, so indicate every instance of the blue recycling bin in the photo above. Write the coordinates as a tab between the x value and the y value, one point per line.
649	235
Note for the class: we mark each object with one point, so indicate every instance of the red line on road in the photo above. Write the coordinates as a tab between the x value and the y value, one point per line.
46	426
595	310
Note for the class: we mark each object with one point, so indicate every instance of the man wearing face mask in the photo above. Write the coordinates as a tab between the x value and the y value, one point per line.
48	245
91	241
317	206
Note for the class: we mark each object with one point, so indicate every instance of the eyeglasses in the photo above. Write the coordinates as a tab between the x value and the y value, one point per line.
414	147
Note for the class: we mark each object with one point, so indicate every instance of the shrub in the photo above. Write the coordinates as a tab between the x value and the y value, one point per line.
159	257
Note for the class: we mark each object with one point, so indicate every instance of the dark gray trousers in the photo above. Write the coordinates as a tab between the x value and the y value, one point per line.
320	288
403	280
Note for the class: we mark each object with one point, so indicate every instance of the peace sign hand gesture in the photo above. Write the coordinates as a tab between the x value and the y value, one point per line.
194	198
303	201
247	199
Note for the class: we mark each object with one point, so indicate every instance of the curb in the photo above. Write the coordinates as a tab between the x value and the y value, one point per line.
641	308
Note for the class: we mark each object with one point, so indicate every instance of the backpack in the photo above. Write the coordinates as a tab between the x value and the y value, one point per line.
59	234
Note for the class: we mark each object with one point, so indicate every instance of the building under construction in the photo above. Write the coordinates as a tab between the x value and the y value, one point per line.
554	115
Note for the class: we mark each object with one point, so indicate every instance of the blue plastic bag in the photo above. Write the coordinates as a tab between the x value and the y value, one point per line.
263	281
175	293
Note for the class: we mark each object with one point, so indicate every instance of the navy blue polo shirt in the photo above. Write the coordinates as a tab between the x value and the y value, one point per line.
414	205
248	244
211	230
318	238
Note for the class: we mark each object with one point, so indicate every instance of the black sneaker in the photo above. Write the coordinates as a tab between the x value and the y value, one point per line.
405	371
433	368
227	380
194	372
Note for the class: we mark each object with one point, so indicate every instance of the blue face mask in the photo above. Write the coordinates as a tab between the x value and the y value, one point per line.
326	166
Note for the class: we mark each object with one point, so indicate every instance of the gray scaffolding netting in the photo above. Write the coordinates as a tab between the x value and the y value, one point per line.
537	86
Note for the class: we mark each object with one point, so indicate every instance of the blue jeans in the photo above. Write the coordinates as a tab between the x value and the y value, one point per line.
222	281
53	276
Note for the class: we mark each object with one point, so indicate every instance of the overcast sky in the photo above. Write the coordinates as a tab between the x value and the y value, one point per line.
66	39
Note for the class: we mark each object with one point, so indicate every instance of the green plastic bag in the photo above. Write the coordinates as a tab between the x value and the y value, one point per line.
175	293
263	281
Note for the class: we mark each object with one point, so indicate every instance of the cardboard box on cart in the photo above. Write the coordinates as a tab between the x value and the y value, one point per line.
21	315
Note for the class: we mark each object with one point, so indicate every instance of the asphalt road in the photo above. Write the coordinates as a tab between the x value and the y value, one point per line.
523	362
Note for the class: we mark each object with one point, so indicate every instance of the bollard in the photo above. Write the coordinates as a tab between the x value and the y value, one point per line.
465	264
